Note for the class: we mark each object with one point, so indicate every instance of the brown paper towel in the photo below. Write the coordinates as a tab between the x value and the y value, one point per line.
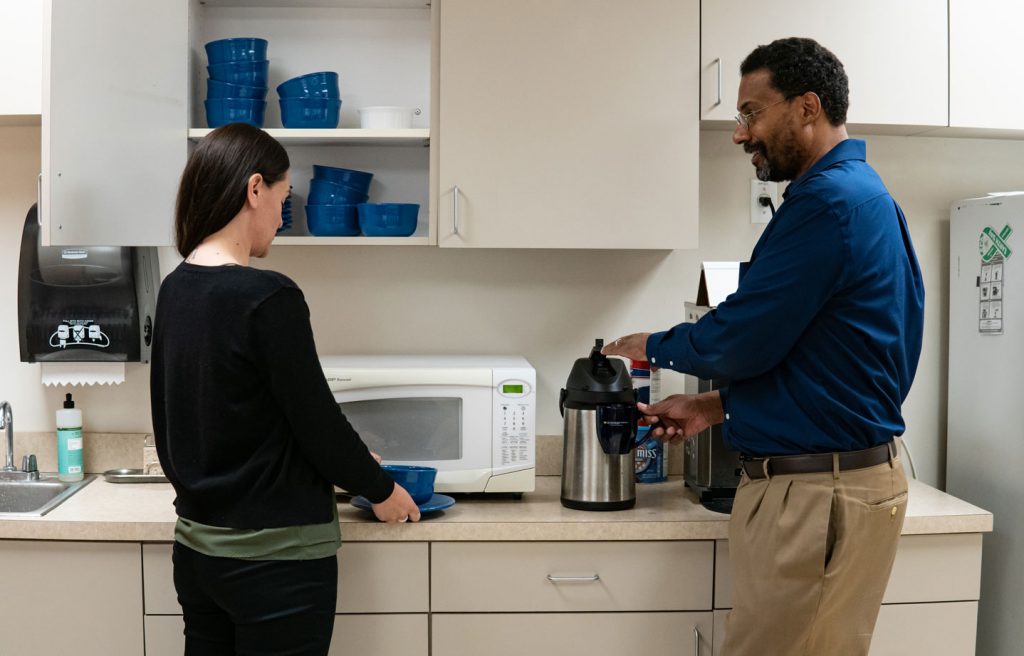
82	373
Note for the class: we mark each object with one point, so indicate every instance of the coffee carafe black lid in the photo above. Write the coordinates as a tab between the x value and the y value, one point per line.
597	379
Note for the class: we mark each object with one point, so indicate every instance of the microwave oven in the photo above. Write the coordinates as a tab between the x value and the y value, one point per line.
471	417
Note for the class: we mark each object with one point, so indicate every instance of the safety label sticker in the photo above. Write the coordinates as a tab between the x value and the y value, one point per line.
994	252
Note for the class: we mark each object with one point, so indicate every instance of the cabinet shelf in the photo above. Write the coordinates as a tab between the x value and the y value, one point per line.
351	241
341	136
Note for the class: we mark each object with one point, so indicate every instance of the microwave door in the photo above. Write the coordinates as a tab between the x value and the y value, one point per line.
415	430
448	427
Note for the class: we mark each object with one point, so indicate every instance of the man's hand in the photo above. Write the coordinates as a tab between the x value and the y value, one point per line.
683	415
398	507
632	346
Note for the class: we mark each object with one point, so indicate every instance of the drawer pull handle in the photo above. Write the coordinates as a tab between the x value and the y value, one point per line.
562	579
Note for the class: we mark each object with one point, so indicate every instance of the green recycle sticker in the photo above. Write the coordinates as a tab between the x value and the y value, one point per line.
989	243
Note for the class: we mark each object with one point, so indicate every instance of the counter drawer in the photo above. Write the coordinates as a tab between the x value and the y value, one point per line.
514	576
373	577
942	567
594	634
354	635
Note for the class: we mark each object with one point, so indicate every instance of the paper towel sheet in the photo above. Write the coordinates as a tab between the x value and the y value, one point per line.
82	373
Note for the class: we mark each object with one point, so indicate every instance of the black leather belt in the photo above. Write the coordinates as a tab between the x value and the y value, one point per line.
816	463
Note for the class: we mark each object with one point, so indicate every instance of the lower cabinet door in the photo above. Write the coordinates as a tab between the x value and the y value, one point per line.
354	635
558	634
934	629
938	629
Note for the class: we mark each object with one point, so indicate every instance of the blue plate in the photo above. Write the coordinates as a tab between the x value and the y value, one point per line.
436	502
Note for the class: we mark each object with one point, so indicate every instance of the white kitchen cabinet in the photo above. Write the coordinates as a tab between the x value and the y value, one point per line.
383	600
571	576
568	124
381	50
558	634
82	598
985	51
894	53
113	118
21	51
513	598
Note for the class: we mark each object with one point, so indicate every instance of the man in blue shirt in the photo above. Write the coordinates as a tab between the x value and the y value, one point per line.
819	346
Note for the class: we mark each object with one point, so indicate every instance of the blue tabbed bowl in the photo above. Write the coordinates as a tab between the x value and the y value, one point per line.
332	220
349	177
222	51
418	481
216	89
221	111
315	113
249	73
325	192
311	85
388	219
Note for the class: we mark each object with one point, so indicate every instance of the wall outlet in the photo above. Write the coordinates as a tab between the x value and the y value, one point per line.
758	189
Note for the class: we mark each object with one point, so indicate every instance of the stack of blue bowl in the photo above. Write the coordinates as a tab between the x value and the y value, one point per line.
334	197
310	101
286	213
236	91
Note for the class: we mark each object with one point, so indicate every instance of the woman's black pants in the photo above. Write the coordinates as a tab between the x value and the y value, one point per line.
255	607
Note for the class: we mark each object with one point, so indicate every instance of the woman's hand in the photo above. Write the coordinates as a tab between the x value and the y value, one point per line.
398	507
376	456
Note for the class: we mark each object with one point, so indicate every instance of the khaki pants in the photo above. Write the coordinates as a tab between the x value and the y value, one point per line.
811	556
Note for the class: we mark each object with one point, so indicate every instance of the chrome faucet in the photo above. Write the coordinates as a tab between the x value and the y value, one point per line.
7	421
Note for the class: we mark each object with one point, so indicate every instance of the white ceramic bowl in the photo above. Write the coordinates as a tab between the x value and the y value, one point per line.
386	118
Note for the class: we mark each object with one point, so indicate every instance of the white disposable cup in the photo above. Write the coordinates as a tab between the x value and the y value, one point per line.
386	118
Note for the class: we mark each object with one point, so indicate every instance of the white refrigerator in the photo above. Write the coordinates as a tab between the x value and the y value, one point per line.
985	434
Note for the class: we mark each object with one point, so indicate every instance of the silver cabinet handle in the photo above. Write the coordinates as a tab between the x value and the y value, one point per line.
455	210
696	641
561	579
39	199
718	73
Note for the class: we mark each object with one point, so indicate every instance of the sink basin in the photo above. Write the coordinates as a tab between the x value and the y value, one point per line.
20	498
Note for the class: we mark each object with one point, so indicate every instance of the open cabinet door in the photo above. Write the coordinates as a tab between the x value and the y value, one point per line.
114	120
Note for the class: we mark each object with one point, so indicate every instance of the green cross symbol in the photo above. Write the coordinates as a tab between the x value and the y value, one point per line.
991	242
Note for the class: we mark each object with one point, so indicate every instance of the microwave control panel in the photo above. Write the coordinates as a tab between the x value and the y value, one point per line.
514	422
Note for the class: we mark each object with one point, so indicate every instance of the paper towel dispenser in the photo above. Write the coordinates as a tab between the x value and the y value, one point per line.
84	304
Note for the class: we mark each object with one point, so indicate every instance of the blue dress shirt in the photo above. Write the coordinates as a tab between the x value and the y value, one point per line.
819	344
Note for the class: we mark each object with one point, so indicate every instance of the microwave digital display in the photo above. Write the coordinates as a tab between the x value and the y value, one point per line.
512	389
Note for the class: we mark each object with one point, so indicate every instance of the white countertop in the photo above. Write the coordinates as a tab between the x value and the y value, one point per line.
144	512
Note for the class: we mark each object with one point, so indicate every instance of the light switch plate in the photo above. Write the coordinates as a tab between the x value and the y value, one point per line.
758	189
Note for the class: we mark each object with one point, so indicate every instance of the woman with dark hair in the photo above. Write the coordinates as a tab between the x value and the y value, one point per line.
246	428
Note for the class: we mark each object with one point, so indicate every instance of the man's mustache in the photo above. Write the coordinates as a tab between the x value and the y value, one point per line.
750	148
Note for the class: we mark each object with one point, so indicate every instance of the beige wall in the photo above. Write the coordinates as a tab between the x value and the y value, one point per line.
546	305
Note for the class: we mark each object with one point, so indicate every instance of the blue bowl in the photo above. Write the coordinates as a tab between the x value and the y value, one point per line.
315	113
223	51
221	111
325	192
417	481
249	73
332	220
388	219
215	89
348	177
311	85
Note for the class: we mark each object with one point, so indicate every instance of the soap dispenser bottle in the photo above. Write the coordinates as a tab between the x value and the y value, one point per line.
69	442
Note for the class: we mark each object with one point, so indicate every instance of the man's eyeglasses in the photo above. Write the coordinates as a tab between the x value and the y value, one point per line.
745	119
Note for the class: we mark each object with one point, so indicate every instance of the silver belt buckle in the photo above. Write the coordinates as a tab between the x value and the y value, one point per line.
764	467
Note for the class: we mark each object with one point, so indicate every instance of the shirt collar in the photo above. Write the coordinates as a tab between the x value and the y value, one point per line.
847	149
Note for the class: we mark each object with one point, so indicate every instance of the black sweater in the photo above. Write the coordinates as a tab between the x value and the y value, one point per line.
246	428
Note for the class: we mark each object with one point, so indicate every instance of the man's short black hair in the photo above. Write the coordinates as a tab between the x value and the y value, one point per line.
800	65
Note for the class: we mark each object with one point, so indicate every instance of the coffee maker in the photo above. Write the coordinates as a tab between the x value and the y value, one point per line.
598	407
